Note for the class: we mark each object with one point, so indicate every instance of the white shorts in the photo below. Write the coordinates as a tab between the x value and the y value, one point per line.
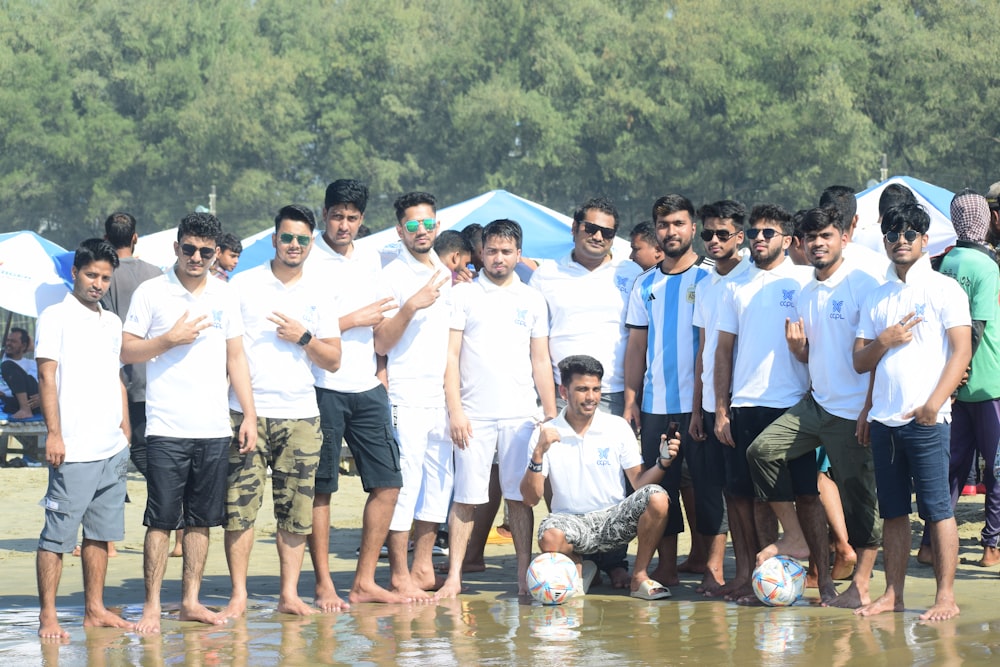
504	439
425	458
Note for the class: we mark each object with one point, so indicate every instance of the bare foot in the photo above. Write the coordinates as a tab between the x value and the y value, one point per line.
467	567
729	588
375	593
692	567
849	599
710	583
237	607
925	555
76	551
750	600
503	530
428	583
795	549
201	614
665	575
178	551
827	593
619	578
105	619
49	628
449	589
843	566
941	611
738	593
880	606
413	593
21	414
150	621
327	600
295	605
991	556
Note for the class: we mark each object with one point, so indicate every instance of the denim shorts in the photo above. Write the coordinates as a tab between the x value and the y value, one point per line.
912	458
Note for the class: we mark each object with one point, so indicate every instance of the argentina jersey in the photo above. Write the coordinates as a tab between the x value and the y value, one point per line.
663	304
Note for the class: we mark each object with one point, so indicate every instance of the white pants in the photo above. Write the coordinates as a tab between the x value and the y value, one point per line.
425	457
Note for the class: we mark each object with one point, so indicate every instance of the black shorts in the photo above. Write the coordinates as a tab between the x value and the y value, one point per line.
363	420
746	424
652	427
707	463
186	482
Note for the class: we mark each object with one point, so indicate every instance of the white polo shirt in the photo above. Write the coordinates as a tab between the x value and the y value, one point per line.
281	373
587	472
187	389
354	281
587	312
497	325
86	345
708	298
906	375
830	311
874	263
416	363
765	373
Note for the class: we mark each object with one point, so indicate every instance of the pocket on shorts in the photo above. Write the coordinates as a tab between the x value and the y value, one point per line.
55	503
393	444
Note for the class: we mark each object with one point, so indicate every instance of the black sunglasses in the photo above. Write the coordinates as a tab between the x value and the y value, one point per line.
607	233
767	232
707	234
910	235
205	252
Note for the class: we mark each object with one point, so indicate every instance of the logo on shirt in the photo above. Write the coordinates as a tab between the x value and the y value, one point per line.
521	317
309	317
837	310
919	309
603	454
650	297
690	294
621	282
217	319
786	298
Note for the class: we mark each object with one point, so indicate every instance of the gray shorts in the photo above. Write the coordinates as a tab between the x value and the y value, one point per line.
91	493
603	530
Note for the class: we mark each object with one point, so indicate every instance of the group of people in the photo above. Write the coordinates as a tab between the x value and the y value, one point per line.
602	385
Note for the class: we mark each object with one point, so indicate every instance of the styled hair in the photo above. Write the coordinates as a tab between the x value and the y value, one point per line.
230	242
906	216
797	223
773	213
602	204
200	225
413	199
23	333
119	229
893	195
473	233
296	212
95	250
579	364
668	204
450	241
644	232
819	218
504	229
843	198
346	191
725	209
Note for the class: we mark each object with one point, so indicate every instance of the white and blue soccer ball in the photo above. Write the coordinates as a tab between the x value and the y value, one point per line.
779	581
553	578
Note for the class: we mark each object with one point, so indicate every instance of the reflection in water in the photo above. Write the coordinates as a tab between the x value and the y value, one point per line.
611	630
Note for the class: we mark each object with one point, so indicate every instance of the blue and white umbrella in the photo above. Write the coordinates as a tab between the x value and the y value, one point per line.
30	278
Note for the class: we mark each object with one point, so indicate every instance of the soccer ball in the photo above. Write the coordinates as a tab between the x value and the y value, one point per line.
552	578
778	581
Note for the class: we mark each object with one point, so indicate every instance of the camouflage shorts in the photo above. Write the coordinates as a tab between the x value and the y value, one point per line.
291	448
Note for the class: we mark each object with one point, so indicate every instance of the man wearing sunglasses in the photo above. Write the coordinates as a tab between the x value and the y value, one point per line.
660	357
915	337
722	232
414	339
289	326
758	379
190	332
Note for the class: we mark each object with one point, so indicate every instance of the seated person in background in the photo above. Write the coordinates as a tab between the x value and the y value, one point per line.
19	390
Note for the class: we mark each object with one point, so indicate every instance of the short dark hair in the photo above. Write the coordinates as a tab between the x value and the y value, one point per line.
296	212
797	223
673	203
230	242
724	209
644	231
774	213
819	218
505	229
602	204
579	364
25	338
95	250
346	191
450	241
473	233
409	199
893	195
841	196
363	231
119	229
906	216
200	225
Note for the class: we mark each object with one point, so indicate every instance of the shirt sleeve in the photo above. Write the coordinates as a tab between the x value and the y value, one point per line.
866	322
540	313
955	305
459	310
636	314
630	455
48	337
140	314
728	315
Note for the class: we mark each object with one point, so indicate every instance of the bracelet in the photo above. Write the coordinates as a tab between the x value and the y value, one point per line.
534	467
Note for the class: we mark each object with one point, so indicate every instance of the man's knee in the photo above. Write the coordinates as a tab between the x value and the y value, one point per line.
657	503
551	539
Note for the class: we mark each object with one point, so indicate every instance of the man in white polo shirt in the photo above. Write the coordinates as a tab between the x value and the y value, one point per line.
289	325
498	357
414	338
353	404
189	330
87	445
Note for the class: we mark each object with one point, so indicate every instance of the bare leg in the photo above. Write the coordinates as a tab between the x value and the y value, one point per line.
459	529
326	597
95	567
792	541
741	524
651	525
195	555
857	594
400	580
154	565
896	552
944	539
522	525
666	569
812	519
291	551
374	529
422	571
697	557
178	544
713	579
846	558
238	543
482	523
48	567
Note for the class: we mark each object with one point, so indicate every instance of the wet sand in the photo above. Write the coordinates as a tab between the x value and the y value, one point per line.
486	625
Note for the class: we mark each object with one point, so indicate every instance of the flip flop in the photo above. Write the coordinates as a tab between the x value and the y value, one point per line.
651	590
589	572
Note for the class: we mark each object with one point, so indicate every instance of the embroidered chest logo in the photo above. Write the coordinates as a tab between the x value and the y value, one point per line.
621	282
919	309
690	294
603	454
651	297
521	317
837	312
217	319
787	296
309	317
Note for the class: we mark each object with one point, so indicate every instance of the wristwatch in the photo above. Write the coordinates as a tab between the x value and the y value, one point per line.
306	337
534	467
660	465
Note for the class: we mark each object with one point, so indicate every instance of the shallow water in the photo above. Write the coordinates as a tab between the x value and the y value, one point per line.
595	630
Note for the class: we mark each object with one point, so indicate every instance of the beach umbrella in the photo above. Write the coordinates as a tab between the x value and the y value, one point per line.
29	276
935	200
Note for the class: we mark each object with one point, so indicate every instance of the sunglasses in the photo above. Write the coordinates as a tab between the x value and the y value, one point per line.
767	232
303	239
707	234
413	225
910	235
189	250
607	233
